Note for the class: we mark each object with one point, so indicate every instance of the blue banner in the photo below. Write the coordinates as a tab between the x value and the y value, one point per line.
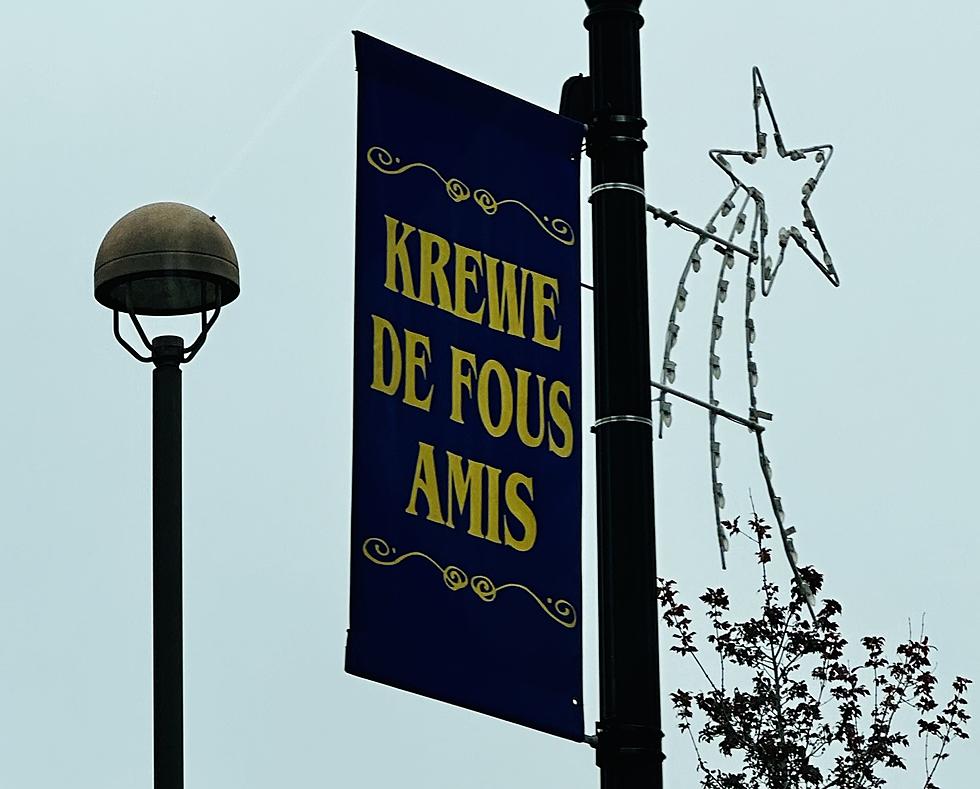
467	476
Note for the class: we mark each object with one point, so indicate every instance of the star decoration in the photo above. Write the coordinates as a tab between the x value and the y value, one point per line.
820	153
755	255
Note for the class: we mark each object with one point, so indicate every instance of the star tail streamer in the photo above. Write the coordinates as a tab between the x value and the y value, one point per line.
714	369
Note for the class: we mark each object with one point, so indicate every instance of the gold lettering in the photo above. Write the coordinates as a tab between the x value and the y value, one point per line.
433	269
383	329
398	257
464	275
414	361
506	307
521	510
493	504
523	429
496	369
461	379
426	483
543	301
561	419
502	306
465	489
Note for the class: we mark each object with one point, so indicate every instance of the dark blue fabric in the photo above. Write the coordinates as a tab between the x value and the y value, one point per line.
434	609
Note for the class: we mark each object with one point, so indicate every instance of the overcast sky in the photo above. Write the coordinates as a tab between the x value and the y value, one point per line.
247	111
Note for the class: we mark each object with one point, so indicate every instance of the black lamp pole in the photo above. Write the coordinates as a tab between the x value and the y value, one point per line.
629	750
168	659
166	259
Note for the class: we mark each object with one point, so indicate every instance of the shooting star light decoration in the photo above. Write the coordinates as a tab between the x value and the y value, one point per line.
758	264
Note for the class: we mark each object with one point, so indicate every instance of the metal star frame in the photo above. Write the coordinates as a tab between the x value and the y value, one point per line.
821	153
755	255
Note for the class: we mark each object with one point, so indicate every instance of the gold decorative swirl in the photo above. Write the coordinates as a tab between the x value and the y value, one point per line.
454	578
484	588
562	611
385	162
562	230
557	228
380	552
457	190
485	200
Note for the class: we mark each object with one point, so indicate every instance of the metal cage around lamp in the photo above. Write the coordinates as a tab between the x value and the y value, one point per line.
166	259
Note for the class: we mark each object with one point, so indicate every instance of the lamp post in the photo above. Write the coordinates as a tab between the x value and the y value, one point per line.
166	259
629	749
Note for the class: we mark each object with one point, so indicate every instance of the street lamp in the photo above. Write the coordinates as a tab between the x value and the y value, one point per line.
166	259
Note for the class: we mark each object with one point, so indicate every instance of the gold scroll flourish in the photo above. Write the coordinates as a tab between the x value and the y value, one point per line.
562	611
557	228
380	552
383	161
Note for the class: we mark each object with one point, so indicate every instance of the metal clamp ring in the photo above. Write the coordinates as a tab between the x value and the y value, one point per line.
616	185
608	420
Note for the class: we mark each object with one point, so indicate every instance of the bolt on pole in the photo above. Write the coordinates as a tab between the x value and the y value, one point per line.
629	749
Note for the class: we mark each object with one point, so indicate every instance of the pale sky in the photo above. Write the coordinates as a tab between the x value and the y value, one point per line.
248	112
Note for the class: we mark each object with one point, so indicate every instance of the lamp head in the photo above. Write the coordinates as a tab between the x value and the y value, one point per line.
166	259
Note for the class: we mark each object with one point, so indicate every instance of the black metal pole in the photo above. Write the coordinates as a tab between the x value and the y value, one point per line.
168	681
629	751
